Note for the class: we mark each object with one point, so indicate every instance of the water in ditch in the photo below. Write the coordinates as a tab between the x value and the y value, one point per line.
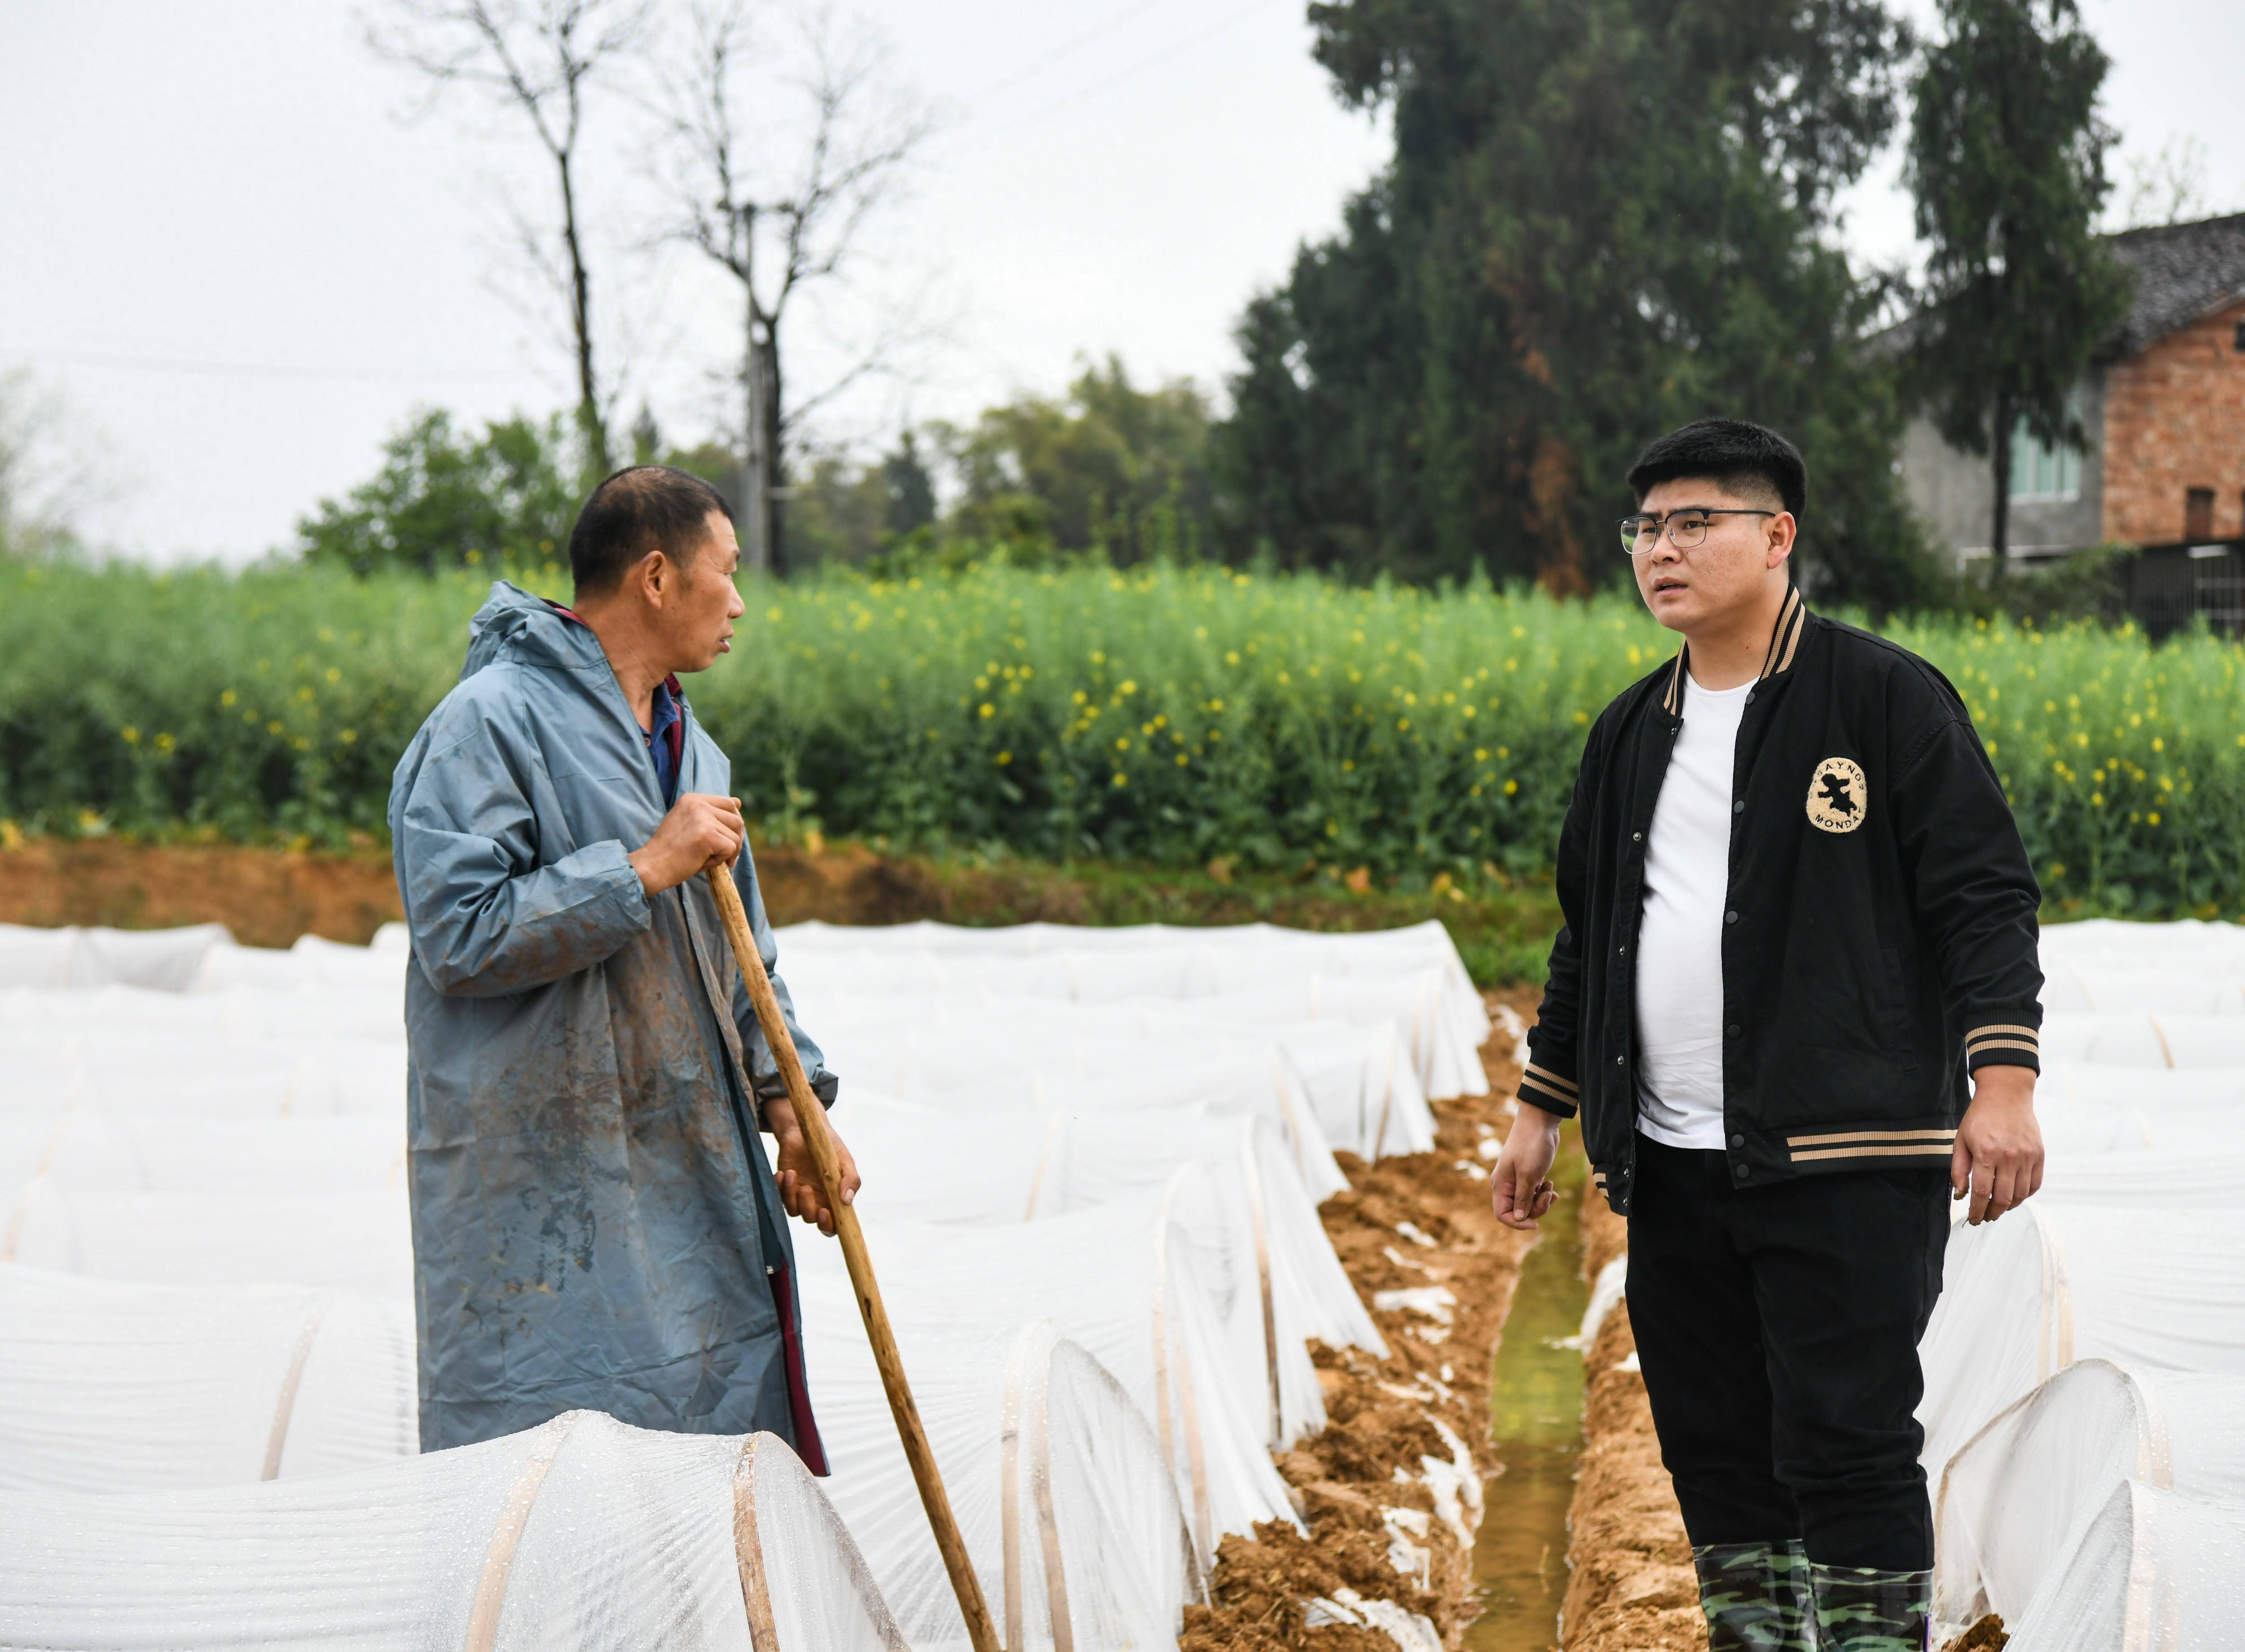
1536	1432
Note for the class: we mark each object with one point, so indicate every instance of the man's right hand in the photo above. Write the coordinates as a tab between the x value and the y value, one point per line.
1520	1187
698	833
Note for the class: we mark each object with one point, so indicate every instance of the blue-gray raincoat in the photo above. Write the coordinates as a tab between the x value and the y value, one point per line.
594	1221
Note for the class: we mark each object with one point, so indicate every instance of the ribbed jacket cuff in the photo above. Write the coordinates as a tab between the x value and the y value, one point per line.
1541	1086
2002	1043
823	1085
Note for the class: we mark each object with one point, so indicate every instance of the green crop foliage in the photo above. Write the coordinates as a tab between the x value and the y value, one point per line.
2125	764
1169	716
269	705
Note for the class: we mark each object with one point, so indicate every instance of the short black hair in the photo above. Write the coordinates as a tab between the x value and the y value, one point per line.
1739	456
634	513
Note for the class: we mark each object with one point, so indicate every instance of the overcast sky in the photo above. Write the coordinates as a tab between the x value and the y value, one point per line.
222	242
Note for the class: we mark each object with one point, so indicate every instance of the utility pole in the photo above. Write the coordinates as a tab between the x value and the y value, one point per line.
757	438
859	139
762	549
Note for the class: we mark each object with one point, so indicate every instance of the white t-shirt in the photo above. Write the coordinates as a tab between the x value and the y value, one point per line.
1680	943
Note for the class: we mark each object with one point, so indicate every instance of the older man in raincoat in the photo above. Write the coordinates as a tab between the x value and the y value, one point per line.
595	1222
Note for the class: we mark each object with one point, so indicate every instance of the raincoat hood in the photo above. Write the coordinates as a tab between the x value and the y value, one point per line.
514	623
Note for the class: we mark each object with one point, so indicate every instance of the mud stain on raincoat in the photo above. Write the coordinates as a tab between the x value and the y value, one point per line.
594	1219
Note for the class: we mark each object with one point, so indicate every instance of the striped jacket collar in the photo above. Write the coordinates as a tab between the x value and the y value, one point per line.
1784	643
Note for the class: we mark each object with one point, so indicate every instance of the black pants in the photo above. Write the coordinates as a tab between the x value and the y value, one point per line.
1778	1329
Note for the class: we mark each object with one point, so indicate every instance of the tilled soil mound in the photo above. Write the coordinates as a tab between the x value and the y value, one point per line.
1384	1526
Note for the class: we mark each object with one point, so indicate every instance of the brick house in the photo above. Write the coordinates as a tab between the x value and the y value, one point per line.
2163	407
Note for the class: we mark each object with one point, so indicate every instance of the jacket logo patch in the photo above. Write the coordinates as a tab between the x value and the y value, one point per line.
1838	795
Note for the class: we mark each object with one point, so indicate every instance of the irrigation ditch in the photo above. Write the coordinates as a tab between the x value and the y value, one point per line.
1393	1488
1482	1325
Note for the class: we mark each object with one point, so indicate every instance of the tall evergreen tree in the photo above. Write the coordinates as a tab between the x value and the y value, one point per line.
911	491
2007	161
1603	217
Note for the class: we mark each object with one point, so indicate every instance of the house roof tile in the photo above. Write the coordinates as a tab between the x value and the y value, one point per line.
2182	272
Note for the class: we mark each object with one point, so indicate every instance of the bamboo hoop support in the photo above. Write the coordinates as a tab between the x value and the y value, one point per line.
981	1631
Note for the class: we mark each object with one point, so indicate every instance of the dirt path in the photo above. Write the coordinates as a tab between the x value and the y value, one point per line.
1379	1488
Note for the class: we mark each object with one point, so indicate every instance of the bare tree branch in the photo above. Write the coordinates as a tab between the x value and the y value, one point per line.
779	215
536	58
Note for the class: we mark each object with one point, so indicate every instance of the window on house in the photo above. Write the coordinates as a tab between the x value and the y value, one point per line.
2239	336
2042	470
2198	514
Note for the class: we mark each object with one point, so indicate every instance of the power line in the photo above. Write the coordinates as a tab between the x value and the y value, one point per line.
249	369
1064	49
1144	64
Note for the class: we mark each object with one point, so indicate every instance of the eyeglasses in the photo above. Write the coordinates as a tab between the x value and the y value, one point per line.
1686	530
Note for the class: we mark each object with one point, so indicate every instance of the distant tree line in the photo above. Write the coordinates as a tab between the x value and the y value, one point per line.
1110	468
1602	218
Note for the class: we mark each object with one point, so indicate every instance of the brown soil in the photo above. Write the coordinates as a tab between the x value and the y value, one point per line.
268	896
1382	1413
1987	1635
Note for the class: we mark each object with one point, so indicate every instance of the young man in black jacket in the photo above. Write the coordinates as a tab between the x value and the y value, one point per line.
1797	984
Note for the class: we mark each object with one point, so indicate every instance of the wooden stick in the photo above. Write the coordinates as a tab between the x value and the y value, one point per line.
981	1631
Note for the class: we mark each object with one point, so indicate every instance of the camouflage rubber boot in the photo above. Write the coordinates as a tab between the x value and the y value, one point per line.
1756	1597
1861	1609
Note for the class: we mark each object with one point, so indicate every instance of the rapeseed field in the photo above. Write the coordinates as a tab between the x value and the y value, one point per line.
1167	714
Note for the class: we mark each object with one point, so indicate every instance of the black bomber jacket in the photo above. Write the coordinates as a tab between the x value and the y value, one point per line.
1880	928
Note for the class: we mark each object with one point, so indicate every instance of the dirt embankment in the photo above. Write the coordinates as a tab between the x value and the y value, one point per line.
1418	1223
268	896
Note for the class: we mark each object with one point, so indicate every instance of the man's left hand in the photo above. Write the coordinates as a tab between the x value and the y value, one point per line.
801	1193
1997	1161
